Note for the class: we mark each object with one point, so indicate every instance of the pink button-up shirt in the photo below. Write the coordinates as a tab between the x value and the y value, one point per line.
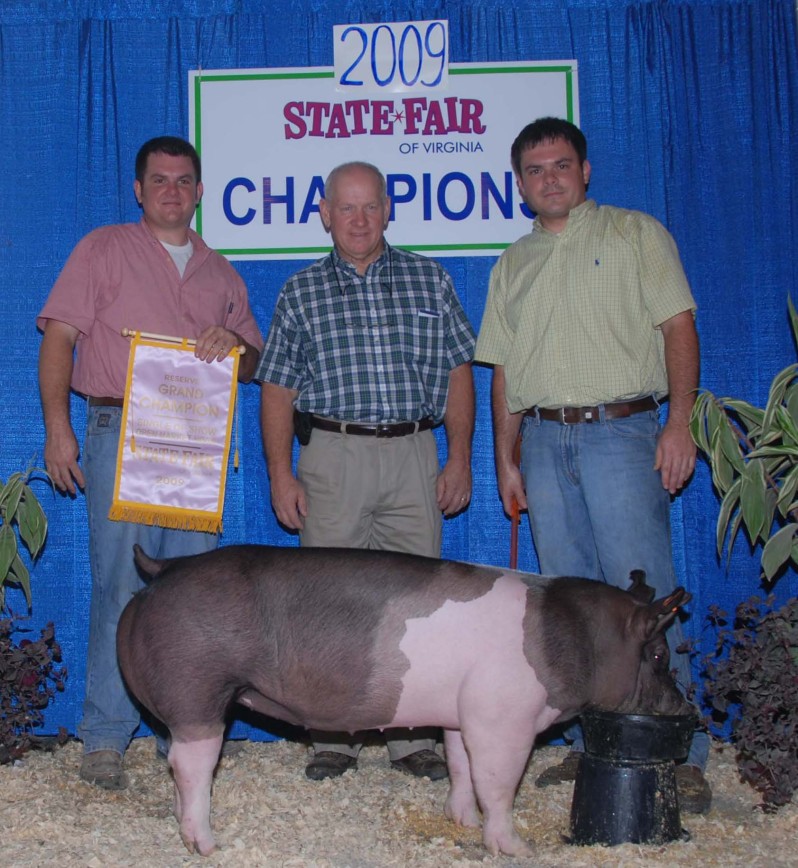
122	277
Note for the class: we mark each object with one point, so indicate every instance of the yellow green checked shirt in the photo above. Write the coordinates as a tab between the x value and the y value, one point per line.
573	318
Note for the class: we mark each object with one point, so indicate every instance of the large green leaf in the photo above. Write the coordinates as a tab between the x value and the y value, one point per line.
778	550
10	495
764	451
784	421
8	550
778	388
32	522
751	416
21	575
730	444
735	527
752	499
793	318
791	401
789	486
698	421
728	505
722	470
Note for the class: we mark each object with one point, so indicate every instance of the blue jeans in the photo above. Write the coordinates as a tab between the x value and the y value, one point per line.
109	715
597	509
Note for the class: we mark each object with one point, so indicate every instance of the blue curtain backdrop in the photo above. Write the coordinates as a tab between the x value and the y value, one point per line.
690	112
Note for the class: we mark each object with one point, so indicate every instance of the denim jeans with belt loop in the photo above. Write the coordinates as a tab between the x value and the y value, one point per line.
110	717
597	509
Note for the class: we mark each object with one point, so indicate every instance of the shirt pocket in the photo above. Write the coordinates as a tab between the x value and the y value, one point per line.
421	335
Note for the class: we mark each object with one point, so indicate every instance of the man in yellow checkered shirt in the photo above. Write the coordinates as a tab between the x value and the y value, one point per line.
589	325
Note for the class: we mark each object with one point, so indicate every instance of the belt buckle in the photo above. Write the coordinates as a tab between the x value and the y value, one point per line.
562	420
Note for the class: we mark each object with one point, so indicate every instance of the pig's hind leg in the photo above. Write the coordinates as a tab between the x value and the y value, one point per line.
192	764
461	803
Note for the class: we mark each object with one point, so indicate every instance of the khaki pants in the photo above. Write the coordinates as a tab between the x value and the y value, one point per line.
372	493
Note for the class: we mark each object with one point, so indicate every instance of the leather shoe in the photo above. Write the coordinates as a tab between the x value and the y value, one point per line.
422	764
103	768
329	764
695	794
561	773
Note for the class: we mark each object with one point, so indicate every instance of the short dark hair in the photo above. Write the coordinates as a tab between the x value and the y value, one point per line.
172	145
547	130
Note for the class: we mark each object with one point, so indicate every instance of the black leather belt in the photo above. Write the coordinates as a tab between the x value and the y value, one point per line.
392	429
105	402
575	415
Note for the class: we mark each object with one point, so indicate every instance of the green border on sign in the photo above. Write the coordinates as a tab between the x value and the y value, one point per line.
567	69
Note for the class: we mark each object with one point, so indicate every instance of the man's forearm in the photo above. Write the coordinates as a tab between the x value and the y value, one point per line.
681	365
459	417
55	375
277	428
506	425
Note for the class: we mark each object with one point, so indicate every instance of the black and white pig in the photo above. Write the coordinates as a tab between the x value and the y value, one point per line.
343	639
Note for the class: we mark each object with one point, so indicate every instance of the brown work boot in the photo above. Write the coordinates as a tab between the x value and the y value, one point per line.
422	764
103	768
562	773
695	794
329	764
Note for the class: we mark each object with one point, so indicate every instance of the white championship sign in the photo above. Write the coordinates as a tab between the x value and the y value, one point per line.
269	137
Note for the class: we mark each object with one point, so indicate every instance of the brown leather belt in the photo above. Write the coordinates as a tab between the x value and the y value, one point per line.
105	402
575	415
393	429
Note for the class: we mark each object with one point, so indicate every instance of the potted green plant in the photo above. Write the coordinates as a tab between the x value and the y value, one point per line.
752	675
29	674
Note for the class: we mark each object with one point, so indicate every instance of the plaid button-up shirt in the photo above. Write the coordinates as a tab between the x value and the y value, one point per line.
372	348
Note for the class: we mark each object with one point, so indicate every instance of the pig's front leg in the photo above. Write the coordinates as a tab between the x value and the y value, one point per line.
499	754
461	803
192	764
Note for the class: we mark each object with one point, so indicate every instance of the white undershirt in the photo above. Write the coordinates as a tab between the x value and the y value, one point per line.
180	255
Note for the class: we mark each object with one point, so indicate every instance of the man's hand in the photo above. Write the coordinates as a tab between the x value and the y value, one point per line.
453	488
675	456
511	487
61	461
215	343
289	502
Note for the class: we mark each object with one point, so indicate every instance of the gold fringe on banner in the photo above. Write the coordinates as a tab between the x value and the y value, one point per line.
163	517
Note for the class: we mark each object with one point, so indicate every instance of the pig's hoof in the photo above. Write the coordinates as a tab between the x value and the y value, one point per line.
464	814
509	843
204	845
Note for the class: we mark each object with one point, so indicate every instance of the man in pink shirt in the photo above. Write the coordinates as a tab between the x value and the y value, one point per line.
154	276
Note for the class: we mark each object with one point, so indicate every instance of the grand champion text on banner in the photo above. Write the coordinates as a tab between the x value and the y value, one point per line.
177	419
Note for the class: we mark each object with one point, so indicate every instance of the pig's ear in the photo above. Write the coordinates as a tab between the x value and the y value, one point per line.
639	589
662	612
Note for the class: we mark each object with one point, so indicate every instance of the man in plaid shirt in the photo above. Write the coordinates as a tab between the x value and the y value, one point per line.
371	348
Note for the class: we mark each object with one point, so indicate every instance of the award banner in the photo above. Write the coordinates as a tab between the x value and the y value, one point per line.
177	419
